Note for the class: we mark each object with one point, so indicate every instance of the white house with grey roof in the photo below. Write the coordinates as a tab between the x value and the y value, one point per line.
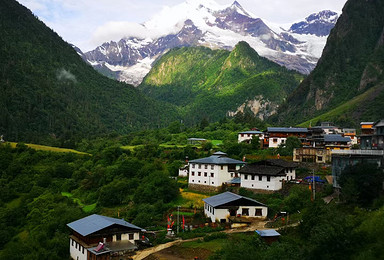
211	172
221	207
247	136
99	237
267	175
278	135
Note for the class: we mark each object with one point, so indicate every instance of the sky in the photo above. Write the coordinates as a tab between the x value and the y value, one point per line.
89	23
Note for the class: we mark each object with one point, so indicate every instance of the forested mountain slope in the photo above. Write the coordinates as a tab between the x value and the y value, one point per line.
211	84
48	90
351	66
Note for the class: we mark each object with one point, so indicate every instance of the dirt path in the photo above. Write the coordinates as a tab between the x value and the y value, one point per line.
147	252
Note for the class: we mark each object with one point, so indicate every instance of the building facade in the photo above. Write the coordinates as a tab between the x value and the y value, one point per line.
221	207
278	135
211	172
100	237
248	135
267	175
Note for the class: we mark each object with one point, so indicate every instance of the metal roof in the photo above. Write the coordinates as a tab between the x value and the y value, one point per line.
336	138
367	123
94	223
379	123
251	132
217	158
236	180
196	139
226	197
267	233
287	130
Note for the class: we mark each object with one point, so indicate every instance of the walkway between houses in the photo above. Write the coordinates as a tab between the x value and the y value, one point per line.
149	251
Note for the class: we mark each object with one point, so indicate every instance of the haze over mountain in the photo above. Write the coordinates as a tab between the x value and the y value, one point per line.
48	90
217	27
347	84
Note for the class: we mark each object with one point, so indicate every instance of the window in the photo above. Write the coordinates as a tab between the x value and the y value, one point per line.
76	245
205	181
130	236
320	158
199	166
205	174
193	173
213	182
83	251
268	178
199	173
212	167
193	180
253	177
245	177
118	237
206	166
193	166
212	174
80	248
242	135
245	212
275	140
222	167
198	181
231	174
260	178
72	241
258	212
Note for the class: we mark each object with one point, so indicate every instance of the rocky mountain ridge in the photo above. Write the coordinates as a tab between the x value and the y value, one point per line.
217	27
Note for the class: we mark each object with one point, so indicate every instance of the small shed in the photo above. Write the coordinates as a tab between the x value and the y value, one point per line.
268	235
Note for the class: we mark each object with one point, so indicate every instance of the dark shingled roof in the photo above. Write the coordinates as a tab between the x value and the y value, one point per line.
94	223
280	162
217	158
227	197
287	130
336	138
379	123
259	169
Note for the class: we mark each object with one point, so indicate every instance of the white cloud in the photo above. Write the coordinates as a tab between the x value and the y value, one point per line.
87	23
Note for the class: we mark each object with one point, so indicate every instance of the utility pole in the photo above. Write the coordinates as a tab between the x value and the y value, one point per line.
314	185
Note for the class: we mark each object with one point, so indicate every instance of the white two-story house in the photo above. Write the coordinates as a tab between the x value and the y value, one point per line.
267	175
211	172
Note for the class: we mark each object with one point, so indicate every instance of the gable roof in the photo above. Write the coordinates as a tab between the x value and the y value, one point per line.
287	130
217	158
260	169
94	223
281	163
227	197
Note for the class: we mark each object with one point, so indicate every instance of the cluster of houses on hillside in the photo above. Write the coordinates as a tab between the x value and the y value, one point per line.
100	237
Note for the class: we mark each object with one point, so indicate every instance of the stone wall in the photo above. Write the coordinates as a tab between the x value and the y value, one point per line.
203	188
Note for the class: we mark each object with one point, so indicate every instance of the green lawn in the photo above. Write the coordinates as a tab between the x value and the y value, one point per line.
212	245
49	148
85	208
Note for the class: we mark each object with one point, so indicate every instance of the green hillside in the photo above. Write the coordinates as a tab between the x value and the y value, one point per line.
207	83
48	94
352	63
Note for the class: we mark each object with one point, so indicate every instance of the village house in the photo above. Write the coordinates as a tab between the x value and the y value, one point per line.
211	172
222	207
267	175
371	150
278	135
248	135
100	237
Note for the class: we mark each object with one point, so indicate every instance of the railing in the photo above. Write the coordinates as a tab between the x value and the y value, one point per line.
359	152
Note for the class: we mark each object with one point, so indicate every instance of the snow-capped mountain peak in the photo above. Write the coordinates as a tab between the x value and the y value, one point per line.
319	24
206	23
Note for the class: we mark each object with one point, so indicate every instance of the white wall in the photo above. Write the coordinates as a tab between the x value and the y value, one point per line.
218	214
247	137
276	144
77	253
275	182
125	237
183	172
220	176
